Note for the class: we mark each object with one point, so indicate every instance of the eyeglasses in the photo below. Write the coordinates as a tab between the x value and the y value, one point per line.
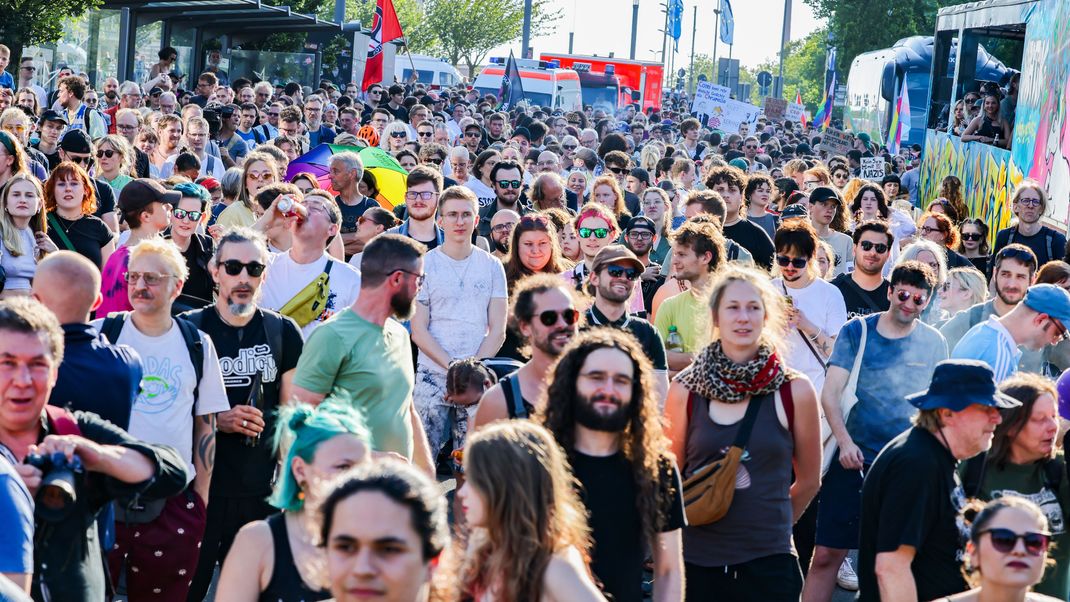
507	184
506	227
796	262
928	230
106	154
150	278
28	68
619	271
879	247
919	299
126	128
1004	541
751	147
398	134
598	232
420	278
425	195
190	215
641	235
1028	202
233	267
549	317
1063	334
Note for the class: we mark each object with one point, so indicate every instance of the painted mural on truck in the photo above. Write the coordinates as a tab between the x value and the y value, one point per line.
1040	147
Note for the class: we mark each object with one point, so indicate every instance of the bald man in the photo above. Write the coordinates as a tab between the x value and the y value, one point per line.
501	228
95	375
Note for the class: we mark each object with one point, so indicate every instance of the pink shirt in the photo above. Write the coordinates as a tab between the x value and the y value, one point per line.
113	283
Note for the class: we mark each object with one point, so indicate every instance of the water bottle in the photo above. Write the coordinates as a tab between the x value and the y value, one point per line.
674	342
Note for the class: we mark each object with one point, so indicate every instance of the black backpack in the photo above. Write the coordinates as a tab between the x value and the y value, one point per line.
113	326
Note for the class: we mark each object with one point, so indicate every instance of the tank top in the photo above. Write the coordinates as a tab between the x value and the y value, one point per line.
286	584
759	521
988	128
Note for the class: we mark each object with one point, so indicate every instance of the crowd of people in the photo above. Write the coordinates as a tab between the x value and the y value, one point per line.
593	355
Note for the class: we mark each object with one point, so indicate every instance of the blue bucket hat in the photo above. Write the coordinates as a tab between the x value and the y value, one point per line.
958	384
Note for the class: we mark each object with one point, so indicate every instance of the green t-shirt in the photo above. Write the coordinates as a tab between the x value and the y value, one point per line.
351	359
691	317
1027	480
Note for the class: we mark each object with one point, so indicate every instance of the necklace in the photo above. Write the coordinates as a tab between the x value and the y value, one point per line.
462	276
67	228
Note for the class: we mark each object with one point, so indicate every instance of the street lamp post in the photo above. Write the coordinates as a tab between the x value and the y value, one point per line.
635	26
527	29
785	36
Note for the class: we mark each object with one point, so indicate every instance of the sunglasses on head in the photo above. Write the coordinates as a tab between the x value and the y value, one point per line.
873	246
549	317
234	267
919	299
619	271
796	262
190	215
597	232
1004	541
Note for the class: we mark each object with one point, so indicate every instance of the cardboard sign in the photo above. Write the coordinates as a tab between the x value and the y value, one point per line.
708	96
794	112
872	168
775	108
836	141
733	114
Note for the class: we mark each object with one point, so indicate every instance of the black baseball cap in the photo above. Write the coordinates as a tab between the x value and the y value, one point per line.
142	192
76	141
51	115
824	193
642	222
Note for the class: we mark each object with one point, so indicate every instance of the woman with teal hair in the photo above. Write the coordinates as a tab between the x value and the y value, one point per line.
279	559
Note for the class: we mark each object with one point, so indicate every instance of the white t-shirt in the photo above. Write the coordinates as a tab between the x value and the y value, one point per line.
822	304
163	411
456	295
285	278
484	193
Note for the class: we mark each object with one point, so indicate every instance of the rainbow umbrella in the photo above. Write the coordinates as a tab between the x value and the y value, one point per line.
389	175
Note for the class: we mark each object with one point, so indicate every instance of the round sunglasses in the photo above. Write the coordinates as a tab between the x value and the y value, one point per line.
549	317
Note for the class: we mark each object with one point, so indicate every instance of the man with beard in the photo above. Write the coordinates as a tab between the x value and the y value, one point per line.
258	350
1013	269
639	238
508	179
363	355
545	316
424	185
501	230
899	351
346	172
865	290
603	412
613	275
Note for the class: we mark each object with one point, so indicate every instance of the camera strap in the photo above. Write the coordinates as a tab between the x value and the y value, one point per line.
62	421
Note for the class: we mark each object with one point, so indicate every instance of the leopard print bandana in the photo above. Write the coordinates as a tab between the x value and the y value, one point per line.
714	376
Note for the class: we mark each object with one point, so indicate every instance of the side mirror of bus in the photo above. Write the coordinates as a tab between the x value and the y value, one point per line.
888	82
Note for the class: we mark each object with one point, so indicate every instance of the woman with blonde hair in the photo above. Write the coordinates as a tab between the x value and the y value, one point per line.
395	136
606	191
796	170
529	539
739	378
649	157
259	171
964	288
13	158
23	232
115	161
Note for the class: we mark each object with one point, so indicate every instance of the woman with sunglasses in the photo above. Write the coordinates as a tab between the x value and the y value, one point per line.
748	553
71	201
1024	462
115	161
974	246
395	136
259	172
197	249
940	229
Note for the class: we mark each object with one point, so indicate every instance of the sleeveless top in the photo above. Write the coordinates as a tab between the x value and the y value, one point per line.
988	128
515	403
286	584
759	521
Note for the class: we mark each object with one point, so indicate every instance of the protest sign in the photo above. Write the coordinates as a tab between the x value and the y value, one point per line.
837	142
729	116
872	168
775	108
794	112
708	96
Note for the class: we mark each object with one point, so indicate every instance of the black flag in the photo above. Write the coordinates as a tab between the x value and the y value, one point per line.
512	90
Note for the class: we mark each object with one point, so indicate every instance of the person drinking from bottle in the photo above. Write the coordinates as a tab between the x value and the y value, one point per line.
258	350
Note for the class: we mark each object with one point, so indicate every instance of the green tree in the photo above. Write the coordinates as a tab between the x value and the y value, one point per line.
411	15
30	22
804	69
466	30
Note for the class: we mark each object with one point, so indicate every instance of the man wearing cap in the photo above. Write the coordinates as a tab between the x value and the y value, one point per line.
911	536
1041	319
51	125
825	206
639	238
613	275
75	146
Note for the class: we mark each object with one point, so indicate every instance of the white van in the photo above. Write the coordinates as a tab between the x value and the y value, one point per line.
430	71
543	84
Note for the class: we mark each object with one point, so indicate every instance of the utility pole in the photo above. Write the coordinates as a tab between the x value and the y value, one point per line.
665	38
694	31
635	27
785	37
716	34
527	29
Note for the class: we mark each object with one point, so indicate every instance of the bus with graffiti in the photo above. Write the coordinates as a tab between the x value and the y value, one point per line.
1032	36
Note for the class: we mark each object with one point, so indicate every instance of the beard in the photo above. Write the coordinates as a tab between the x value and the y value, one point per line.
501	246
402	305
241	309
546	344
588	416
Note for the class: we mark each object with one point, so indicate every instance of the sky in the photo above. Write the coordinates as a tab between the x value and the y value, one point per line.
604	26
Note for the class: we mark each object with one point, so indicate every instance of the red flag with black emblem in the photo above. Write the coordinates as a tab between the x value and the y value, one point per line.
385	29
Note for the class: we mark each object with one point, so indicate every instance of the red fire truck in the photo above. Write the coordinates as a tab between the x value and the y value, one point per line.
637	81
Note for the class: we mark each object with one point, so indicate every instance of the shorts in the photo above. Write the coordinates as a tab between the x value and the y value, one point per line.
775	578
839	508
160	557
440	419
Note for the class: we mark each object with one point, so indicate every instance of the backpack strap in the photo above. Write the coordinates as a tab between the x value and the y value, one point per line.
192	337
273	332
788	401
973	474
62	421
514	397
1048	239
112	326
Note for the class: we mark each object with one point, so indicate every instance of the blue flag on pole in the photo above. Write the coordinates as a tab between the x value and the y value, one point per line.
728	24
512	90
676	18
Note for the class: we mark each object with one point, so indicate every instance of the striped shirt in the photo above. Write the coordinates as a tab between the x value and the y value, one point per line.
993	344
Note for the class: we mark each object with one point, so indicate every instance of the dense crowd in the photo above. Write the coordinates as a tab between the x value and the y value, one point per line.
575	356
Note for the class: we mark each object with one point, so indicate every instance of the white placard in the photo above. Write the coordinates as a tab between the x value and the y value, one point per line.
872	168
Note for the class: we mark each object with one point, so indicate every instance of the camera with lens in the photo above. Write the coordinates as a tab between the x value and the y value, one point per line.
60	480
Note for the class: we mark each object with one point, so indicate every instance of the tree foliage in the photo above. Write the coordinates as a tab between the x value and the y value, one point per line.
466	30
31	22
804	69
411	15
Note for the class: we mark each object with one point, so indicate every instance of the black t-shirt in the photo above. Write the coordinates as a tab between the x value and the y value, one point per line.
644	332
242	471
88	234
609	491
352	213
53	158
859	301
754	239
650	288
105	197
912	497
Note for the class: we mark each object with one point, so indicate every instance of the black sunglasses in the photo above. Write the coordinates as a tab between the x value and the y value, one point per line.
620	171
919	299
234	267
398	134
796	262
971	236
619	271
1004	540
549	317
870	246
